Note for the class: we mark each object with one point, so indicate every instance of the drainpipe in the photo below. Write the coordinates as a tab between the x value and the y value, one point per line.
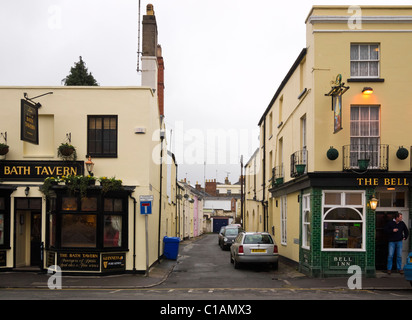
162	136
176	200
264	176
134	234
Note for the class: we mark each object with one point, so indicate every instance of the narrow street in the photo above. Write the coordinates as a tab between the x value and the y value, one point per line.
203	273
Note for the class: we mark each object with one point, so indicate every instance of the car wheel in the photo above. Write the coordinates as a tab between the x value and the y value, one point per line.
236	264
231	258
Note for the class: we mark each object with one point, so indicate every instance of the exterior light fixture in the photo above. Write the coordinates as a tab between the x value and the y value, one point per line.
367	90
89	166
373	202
26	191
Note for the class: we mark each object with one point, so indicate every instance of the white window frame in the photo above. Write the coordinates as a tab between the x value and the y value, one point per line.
369	60
342	205
283	220
354	139
305	222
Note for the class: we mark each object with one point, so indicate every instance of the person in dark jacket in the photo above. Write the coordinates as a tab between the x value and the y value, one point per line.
397	232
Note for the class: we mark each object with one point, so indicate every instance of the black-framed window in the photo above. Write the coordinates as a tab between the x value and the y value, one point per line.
5	220
3	224
93	222
102	135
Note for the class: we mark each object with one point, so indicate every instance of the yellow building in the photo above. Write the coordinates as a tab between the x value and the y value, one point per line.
50	214
335	135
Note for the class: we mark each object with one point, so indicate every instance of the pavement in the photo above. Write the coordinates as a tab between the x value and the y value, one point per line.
160	271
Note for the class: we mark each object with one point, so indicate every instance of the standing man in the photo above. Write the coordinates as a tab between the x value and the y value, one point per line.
397	232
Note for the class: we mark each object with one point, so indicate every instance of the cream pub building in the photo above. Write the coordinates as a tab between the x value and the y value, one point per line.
335	136
121	130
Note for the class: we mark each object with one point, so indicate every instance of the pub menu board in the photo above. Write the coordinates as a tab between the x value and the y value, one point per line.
79	261
113	262
29	125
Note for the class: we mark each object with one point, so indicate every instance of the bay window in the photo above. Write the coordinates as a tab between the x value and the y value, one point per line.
343	220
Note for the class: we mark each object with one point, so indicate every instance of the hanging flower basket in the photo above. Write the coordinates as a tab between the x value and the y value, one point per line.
278	181
67	152
332	153
402	153
363	164
300	168
4	149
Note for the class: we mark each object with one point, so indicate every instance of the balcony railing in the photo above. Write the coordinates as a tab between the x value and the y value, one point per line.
365	157
277	175
298	163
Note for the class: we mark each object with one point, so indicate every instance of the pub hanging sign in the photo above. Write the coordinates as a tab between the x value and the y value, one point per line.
29	122
336	93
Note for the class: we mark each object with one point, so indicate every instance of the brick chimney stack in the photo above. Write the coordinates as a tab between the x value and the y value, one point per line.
198	186
210	187
149	49
160	80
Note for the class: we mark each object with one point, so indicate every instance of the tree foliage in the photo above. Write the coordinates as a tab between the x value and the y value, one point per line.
80	76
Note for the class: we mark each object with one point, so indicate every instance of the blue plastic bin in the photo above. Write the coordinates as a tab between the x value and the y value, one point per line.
171	248
408	268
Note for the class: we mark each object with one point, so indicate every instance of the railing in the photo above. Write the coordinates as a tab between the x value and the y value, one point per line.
365	157
277	175
298	163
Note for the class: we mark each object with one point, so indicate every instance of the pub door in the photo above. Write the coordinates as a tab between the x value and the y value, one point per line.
381	239
27	235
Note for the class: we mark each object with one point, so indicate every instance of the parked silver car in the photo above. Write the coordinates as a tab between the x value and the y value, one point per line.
228	235
254	247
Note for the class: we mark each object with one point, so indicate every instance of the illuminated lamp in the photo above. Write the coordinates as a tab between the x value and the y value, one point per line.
373	202
367	90
89	166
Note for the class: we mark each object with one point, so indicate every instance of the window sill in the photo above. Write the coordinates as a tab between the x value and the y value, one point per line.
366	80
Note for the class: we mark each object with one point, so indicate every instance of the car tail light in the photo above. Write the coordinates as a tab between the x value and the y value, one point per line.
275	249
240	249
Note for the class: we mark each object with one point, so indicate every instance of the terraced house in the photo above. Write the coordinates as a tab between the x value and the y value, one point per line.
335	138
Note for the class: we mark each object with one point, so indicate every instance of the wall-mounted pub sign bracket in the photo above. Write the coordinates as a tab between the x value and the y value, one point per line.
338	89
29	118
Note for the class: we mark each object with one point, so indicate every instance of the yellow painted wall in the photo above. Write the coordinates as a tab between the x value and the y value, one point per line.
328	54
65	111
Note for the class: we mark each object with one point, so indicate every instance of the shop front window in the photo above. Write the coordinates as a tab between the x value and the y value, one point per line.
93	222
343	220
79	230
306	230
1	229
112	231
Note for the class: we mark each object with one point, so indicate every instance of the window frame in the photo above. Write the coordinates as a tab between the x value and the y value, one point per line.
359	208
102	154
355	139
306	223
5	211
369	60
283	220
56	212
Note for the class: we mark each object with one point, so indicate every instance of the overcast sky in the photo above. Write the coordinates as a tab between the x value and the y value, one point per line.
224	60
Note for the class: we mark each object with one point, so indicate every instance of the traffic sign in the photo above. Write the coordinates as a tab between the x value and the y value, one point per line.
145	207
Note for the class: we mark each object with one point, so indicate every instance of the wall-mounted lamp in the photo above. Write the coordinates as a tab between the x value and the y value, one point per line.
26	191
367	90
373	202
89	166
